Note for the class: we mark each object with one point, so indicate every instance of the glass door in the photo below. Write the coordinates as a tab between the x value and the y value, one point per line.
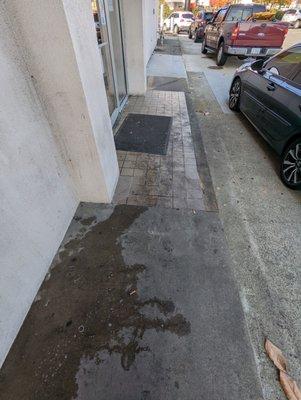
117	45
109	37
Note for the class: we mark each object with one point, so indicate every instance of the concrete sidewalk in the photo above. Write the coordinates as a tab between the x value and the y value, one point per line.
139	303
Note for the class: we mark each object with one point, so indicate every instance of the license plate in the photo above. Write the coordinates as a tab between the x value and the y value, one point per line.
255	51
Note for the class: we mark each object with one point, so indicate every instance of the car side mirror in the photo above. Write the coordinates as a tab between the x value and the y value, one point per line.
257	65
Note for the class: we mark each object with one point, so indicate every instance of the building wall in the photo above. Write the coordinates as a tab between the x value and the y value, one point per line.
70	88
150	27
56	141
140	40
37	196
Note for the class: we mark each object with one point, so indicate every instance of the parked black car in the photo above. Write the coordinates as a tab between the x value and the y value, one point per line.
197	27
268	93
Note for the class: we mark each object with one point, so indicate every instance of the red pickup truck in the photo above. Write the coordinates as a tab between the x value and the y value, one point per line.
236	31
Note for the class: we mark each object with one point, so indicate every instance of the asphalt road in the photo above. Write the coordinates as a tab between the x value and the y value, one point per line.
261	217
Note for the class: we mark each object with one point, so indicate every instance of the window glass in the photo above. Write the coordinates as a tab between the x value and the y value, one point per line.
187	16
235	14
176	15
247	13
258	8
208	16
286	63
297	77
290	12
220	15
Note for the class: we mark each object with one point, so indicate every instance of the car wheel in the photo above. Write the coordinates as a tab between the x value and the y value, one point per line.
297	24
204	50
234	95
221	56
290	170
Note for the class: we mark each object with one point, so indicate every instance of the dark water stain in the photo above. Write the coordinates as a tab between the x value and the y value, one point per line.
215	67
85	307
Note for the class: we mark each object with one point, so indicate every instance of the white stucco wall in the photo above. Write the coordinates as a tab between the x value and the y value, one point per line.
37	197
60	49
150	27
56	141
140	33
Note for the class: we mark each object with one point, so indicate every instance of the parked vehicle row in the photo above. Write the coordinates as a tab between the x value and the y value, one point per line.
234	31
293	17
268	93
197	28
179	21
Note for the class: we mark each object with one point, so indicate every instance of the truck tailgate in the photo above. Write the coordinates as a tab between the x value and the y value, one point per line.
260	34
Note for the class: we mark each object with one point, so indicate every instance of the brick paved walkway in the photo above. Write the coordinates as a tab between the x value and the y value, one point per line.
167	181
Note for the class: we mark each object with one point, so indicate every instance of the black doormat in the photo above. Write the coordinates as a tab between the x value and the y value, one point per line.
144	133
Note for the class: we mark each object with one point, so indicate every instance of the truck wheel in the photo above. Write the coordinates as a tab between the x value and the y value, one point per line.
297	24
221	56
204	50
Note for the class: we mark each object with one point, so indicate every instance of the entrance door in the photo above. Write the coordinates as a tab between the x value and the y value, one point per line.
109	37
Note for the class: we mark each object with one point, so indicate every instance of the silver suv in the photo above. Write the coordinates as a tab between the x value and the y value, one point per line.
178	21
293	17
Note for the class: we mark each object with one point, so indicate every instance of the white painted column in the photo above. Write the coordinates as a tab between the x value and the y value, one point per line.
58	42
132	21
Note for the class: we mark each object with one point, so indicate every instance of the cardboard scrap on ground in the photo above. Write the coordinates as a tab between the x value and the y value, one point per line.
289	386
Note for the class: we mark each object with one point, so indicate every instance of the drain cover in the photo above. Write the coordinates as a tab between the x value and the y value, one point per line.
144	133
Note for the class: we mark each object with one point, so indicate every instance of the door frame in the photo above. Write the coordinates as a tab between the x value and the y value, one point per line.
119	103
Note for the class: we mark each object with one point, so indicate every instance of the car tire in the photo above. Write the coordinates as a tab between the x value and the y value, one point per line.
203	49
234	95
290	167
297	24
221	56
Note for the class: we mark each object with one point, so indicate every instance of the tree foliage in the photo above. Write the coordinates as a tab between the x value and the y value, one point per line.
166	10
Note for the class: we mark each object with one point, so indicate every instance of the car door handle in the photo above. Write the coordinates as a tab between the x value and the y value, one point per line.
271	87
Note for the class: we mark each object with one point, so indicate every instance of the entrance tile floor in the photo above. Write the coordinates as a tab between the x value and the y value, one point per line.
151	180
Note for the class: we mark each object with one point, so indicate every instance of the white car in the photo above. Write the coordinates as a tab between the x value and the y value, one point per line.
293	17
178	21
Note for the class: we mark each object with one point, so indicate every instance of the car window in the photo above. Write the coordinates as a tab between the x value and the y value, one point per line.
187	16
258	8
247	13
220	15
235	14
285	64
290	12
297	78
208	16
176	15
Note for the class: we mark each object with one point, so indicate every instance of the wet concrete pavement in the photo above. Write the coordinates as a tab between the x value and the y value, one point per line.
260	216
139	303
